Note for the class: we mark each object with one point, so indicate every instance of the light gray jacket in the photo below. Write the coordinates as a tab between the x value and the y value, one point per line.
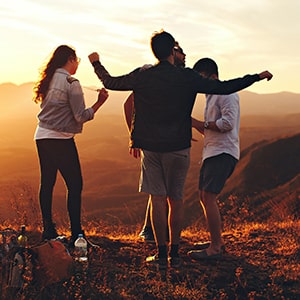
63	109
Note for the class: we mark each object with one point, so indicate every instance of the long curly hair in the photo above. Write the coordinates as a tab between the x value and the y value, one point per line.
59	58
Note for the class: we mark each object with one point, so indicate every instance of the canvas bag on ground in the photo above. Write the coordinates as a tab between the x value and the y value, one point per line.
54	263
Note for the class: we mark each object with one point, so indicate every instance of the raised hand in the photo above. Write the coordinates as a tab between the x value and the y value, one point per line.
94	57
265	74
102	95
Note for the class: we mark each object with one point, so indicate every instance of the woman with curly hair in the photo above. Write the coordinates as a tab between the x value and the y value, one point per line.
62	115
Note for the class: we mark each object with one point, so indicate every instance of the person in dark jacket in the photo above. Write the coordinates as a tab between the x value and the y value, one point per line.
146	233
164	96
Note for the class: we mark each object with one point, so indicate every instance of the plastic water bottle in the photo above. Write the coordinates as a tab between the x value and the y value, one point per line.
81	249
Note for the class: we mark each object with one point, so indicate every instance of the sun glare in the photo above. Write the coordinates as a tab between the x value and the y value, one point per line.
234	33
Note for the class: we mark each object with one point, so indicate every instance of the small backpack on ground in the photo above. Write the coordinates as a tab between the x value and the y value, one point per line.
17	265
53	263
21	267
33	268
18	272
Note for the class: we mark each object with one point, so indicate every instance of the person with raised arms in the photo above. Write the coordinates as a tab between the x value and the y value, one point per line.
164	96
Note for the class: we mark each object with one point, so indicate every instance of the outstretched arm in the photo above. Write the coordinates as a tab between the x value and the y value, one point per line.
209	86
116	83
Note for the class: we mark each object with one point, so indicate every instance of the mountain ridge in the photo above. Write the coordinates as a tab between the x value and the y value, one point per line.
267	179
110	174
283	103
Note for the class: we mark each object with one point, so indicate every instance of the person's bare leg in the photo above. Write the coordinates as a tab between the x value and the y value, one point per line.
211	210
147	222
147	230
159	219
175	220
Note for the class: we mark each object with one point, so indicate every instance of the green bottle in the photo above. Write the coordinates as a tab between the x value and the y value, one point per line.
22	238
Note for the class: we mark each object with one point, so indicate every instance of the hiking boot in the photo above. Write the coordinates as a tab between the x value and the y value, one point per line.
49	233
147	234
160	262
175	262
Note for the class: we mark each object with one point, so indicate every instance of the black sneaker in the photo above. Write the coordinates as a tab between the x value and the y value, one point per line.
147	234
160	262
175	262
49	233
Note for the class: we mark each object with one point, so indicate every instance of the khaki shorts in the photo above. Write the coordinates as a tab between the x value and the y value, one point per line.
164	174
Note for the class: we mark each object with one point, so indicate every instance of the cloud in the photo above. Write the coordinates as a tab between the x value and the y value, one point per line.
242	36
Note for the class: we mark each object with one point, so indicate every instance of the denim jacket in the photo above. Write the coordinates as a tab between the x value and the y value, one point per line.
63	108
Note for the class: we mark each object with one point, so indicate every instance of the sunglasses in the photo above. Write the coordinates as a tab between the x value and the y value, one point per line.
179	50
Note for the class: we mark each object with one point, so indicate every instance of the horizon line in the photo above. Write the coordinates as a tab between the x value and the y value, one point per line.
32	82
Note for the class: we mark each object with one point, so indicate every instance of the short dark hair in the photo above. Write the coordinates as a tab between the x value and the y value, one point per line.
206	66
162	44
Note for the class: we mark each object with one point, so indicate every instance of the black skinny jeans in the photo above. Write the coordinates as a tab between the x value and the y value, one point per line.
60	155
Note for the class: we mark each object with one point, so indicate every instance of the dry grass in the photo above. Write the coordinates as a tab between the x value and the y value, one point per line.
262	259
262	262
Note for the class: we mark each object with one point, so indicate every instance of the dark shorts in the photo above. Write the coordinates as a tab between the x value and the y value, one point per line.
215	171
164	174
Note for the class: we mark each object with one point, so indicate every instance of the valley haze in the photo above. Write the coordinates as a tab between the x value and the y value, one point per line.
110	173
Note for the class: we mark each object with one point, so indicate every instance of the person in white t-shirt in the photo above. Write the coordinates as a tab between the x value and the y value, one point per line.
221	152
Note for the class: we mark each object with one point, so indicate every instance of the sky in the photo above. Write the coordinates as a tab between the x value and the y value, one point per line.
243	37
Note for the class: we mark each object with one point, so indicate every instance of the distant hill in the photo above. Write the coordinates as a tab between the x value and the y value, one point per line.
269	104
271	164
267	177
111	175
17	99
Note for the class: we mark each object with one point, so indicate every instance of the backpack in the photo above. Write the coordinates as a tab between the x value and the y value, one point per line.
17	271
27	269
53	263
16	265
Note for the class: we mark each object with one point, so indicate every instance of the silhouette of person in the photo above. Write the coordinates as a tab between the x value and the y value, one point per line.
221	152
164	96
62	115
147	232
